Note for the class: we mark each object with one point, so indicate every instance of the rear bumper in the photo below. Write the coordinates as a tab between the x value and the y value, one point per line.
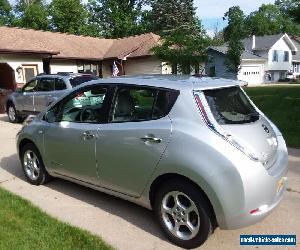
263	191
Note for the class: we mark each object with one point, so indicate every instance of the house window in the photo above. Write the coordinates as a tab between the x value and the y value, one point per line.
275	56
212	71
29	71
88	67
286	56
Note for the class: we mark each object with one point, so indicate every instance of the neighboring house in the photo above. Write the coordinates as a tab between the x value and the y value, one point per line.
296	57
24	53
264	59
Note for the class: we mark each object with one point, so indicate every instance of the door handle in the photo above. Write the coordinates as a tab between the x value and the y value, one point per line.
87	136
151	139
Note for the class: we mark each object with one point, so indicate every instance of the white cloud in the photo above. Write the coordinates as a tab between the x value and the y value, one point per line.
217	8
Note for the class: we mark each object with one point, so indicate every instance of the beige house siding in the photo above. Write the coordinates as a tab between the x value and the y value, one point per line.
149	65
63	66
106	69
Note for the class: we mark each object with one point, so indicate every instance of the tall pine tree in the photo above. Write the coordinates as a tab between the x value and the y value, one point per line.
184	39
233	34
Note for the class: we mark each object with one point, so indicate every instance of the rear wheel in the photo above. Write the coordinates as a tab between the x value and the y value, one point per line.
33	166
12	113
183	213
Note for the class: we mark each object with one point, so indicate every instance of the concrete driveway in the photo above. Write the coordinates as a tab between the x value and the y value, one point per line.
125	225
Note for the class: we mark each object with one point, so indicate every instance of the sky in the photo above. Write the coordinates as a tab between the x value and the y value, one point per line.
212	11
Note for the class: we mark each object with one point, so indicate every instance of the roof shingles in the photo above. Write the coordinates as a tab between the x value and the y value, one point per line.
69	46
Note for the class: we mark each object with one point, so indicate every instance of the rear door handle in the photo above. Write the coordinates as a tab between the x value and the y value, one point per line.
151	139
87	135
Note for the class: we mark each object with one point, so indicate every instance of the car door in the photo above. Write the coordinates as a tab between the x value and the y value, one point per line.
42	97
70	138
131	144
24	99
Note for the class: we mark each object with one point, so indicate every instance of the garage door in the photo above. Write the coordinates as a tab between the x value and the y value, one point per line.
251	74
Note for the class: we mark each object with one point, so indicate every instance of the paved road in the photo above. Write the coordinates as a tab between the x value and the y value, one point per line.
125	225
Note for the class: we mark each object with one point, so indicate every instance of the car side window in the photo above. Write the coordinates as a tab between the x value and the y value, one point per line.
142	104
60	84
31	86
46	84
86	106
134	104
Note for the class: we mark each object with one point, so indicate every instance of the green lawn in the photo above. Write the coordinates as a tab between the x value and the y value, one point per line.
23	226
282	105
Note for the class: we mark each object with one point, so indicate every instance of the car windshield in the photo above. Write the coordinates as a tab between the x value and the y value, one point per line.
230	106
75	81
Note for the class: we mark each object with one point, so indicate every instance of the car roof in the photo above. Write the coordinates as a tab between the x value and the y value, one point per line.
65	76
178	82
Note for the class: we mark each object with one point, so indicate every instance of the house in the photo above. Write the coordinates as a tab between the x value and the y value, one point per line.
25	53
264	59
296	57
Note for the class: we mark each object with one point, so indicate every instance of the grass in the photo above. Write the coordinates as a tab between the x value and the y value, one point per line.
282	105
23	226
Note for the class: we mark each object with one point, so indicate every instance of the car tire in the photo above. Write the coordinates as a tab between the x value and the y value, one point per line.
33	165
12	113
192	213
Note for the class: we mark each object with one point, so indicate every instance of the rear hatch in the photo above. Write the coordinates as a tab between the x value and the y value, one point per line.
242	123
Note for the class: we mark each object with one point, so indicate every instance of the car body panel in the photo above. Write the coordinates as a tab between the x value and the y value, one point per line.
118	169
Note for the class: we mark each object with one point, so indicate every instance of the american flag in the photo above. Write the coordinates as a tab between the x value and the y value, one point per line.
115	70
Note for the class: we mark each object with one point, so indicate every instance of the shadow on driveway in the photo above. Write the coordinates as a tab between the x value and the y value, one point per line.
134	214
4	118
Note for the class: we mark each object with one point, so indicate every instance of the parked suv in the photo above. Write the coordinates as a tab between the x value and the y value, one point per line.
195	150
39	92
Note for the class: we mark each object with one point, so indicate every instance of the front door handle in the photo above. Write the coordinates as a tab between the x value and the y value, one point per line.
87	136
151	139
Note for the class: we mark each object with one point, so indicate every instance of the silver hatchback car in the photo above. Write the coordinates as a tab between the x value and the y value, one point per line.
195	150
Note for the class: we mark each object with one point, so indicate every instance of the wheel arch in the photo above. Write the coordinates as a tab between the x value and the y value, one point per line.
23	142
177	177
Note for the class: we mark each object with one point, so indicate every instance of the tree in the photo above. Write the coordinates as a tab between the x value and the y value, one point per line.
184	40
31	14
170	14
233	34
5	13
291	8
118	18
68	16
269	20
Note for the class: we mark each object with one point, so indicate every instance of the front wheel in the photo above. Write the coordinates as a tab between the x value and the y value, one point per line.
183	213
33	166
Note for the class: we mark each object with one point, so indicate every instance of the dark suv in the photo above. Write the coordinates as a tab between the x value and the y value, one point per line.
39	92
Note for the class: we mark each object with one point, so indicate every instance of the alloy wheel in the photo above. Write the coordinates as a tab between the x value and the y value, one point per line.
31	165
180	215
11	113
